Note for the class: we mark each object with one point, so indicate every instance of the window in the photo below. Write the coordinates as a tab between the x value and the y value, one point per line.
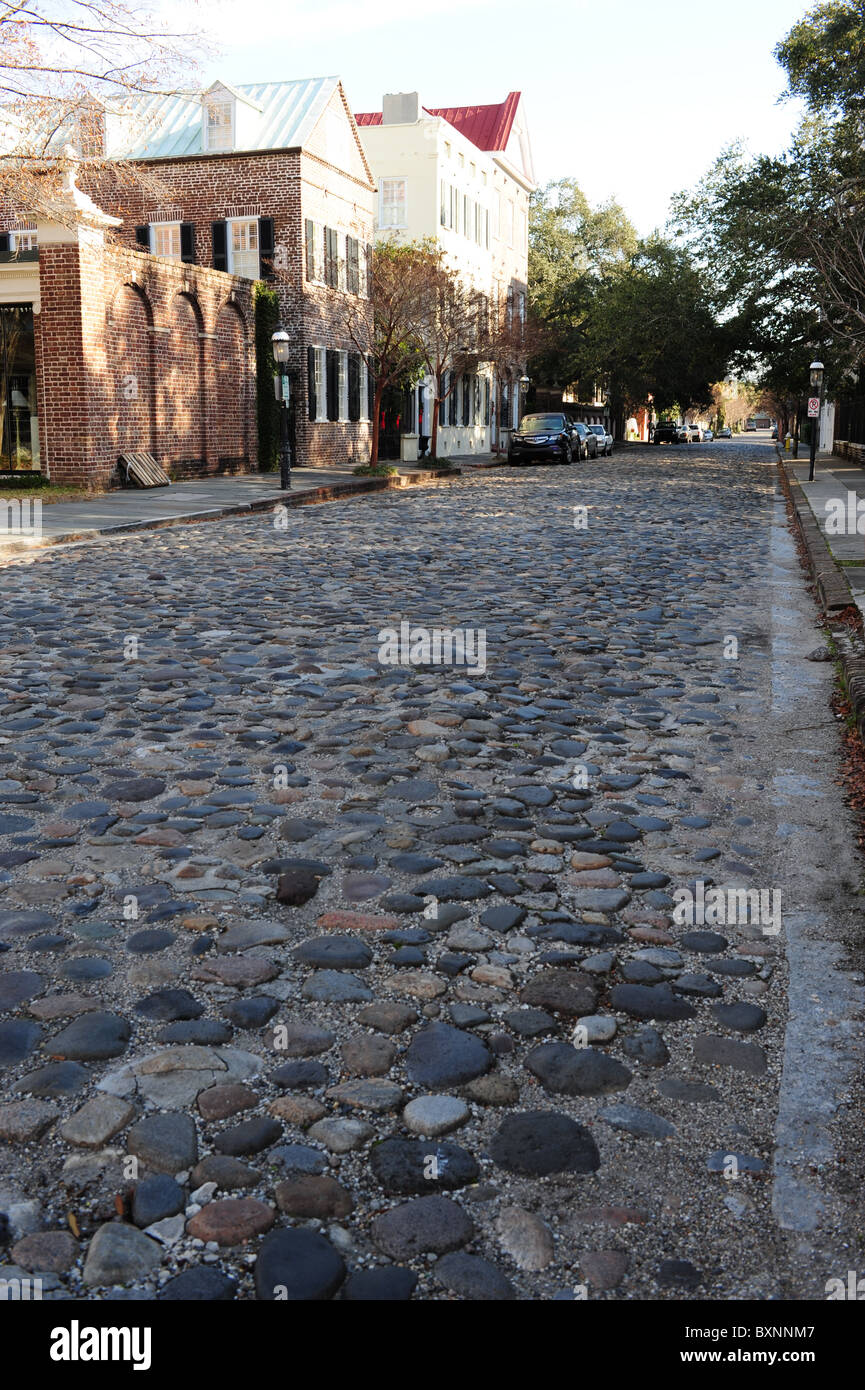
467	398
23	240
509	222
467	215
352	265
331	258
314	251
392	203
219	125
453	400
521	305
243	248
165	239
343	385
478	218
332	362
364	389
320	384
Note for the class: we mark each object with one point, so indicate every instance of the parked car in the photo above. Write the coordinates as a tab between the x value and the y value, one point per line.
683	434
666	432
725	433
708	436
605	440
587	446
547	436
695	434
750	428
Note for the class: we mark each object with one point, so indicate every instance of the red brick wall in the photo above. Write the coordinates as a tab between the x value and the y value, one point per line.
129	357
288	186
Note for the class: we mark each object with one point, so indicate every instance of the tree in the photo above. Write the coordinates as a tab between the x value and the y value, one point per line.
450	329
386	334
66	65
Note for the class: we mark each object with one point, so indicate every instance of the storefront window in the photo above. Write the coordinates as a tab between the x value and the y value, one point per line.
19	440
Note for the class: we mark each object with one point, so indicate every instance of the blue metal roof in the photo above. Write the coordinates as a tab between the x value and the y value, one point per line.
171	127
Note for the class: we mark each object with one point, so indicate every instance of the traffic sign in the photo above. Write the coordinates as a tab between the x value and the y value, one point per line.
813	407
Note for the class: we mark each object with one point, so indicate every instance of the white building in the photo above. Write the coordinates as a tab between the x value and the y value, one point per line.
461	175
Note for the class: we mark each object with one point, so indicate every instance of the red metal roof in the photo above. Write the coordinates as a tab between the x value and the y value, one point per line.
488	127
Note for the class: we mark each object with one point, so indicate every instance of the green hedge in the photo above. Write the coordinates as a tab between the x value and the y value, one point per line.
266	302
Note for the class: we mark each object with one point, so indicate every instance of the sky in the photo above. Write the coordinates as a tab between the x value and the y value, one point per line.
633	98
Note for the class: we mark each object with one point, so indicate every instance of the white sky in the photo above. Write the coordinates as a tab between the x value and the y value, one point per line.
633	98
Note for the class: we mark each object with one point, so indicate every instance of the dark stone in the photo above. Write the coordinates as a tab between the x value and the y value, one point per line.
530	1023
440	1056
741	1017
253	1012
701	941
573	1071
539	1142
208	1032
650	1001
249	1137
201	1284
293	1076
462	887
228	1173
298	1266
16	986
425	1224
136	789
474	1278
149	940
165	1143
155	1198
502	919
703	986
647	1046
569	992
92	1037
390	1284
403	1166
55	1079
335	952
689	1092
296	887
18	1037
336	987
728	1052
679	1274
167	1005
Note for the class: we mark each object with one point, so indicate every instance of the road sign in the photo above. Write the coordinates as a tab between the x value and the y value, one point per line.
813	407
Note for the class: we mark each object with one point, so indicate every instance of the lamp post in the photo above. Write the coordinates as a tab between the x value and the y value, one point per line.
524	386
817	370
281	345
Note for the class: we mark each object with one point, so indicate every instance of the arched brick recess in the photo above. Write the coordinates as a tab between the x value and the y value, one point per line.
181	402
131	405
229	419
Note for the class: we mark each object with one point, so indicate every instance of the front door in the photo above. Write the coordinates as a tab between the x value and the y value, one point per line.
394	421
19	427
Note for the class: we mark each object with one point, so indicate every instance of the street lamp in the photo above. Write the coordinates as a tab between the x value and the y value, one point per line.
281	345
817	370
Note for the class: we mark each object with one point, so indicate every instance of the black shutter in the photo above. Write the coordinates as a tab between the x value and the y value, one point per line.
219	236
443	402
265	248
354	385
467	399
142	237
332	385
187	243
487	420
352	257
4	242
309	228
370	387
310	383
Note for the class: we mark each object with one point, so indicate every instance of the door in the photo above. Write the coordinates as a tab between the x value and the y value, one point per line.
19	426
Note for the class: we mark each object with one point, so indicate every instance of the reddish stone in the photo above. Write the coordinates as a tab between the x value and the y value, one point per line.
231	1221
358	921
219	1102
52	1251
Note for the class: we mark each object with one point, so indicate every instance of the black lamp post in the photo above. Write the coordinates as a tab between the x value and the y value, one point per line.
281	344
524	386
817	394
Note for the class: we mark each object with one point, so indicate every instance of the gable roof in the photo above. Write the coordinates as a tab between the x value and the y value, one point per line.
488	127
170	127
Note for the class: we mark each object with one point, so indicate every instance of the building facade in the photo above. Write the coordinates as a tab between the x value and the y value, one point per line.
461	176
266	182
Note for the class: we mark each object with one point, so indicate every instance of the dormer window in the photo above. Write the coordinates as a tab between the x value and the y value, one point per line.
219	125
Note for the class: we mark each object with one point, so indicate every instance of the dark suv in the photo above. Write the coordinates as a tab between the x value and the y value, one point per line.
541	437
665	433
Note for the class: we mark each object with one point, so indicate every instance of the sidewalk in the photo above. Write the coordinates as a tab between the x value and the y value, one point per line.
835	478
204	499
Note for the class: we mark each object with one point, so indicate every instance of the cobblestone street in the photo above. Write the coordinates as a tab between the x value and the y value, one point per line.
340	978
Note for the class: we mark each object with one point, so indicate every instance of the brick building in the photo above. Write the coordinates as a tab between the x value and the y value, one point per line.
135	328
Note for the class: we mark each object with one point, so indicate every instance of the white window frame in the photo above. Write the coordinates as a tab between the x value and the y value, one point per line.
211	144
234	222
320	384
155	228
342	387
386	200
23	239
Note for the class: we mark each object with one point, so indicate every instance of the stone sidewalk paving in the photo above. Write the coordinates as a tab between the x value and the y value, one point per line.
136	509
835	480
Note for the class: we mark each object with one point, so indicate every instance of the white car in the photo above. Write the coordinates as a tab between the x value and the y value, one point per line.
708	436
605	440
695	434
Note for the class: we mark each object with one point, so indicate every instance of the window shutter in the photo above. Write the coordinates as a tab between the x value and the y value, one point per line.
142	237
219	238
329	257
187	243
467	399
487	420
332	385
443	401
354	384
310	249
370	386
266	248
310	382
4	242
352	252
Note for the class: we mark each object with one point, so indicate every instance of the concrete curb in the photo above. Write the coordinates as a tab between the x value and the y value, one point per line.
833	592
309	497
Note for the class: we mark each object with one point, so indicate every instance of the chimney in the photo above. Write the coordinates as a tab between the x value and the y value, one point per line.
400	108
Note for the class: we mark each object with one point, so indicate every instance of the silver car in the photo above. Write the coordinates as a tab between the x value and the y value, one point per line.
605	440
